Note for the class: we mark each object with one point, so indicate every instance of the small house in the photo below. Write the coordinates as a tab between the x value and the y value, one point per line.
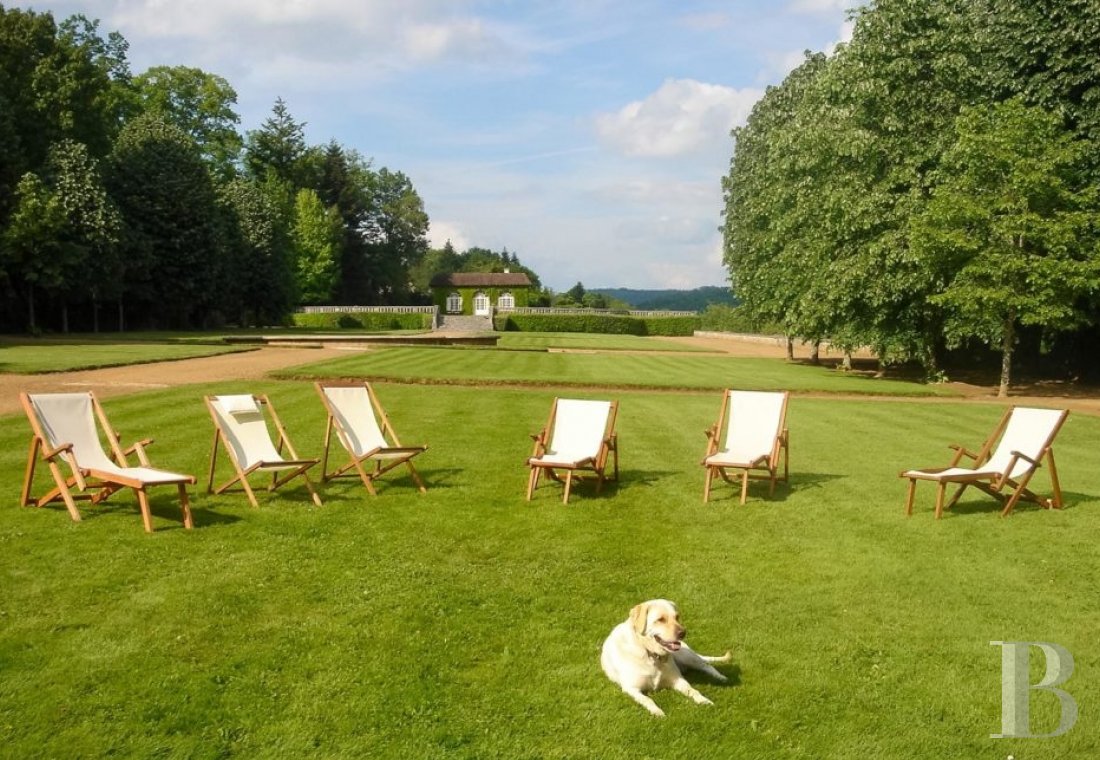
478	293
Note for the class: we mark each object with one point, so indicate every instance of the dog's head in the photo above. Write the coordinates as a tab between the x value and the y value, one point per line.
657	624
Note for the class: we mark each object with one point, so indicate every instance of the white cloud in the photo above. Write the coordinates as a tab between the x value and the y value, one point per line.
441	231
682	116
821	6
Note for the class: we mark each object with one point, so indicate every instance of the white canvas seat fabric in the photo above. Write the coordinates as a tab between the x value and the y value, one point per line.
246	432
1027	432
578	436
362	427
754	420
1026	441
749	437
70	418
67	432
241	425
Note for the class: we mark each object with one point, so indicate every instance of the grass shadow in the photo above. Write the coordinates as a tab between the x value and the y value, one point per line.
722	491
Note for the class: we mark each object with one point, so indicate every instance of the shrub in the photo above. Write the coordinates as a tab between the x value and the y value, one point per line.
608	324
362	320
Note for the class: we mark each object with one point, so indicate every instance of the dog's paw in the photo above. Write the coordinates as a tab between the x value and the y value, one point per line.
656	712
701	700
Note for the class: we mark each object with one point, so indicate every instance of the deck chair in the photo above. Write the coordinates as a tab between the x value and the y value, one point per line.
364	430
578	436
750	436
241	427
1004	465
66	436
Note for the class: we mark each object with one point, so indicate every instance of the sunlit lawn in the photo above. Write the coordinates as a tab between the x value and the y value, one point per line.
466	622
471	366
590	342
59	356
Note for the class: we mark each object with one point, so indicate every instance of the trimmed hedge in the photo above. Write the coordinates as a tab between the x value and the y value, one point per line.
608	324
362	320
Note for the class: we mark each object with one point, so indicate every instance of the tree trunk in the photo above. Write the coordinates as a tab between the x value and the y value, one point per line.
1006	353
846	362
30	309
815	352
65	318
121	316
790	348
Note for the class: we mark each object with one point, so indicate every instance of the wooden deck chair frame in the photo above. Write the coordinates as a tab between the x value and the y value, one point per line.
282	470
1002	484
91	483
597	464
764	466
384	457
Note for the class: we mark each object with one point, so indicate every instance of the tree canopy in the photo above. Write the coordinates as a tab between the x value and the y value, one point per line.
927	184
140	190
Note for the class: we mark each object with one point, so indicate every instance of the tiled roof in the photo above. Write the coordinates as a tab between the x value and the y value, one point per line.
481	280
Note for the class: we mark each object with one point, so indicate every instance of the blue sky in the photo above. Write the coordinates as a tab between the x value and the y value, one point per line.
587	136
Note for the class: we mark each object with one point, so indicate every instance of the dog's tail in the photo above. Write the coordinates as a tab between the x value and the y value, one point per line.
724	658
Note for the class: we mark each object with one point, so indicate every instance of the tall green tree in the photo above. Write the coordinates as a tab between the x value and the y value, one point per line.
261	254
316	235
1014	222
277	147
395	232
199	103
30	244
56	82
173	244
92	229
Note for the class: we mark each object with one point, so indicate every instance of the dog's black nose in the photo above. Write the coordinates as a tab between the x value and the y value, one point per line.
682	633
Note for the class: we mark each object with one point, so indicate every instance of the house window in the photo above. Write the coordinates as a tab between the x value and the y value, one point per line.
481	304
506	301
454	303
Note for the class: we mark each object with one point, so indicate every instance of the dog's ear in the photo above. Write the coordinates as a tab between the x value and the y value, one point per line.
638	618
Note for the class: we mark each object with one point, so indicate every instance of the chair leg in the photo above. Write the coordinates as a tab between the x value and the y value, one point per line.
909	497
568	484
368	481
185	507
248	490
744	486
416	477
63	488
940	488
955	498
143	502
311	489
1055	500
532	481
707	484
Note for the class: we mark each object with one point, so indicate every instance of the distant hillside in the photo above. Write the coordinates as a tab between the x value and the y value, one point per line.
675	300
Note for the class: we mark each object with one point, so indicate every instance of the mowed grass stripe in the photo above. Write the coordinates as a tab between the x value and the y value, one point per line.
466	622
442	365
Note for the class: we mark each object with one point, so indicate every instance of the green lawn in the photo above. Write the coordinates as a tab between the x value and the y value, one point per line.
484	367
590	342
59	356
466	622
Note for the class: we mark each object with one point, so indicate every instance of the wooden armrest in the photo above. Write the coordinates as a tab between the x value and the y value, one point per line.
960	452
1026	458
61	449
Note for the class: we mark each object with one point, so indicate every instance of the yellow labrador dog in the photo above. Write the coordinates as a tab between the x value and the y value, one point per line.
647	651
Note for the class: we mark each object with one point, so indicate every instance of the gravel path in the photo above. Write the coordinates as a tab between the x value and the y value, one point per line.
117	381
